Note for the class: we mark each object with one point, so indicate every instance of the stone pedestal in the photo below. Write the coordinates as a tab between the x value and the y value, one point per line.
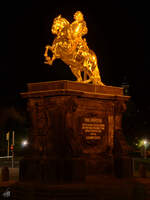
73	131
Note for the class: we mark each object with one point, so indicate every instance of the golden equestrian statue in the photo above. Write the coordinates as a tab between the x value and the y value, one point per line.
70	46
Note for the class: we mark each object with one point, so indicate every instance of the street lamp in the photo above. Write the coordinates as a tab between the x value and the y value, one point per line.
145	142
24	143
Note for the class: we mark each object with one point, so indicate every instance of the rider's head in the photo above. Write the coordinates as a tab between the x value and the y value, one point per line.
78	16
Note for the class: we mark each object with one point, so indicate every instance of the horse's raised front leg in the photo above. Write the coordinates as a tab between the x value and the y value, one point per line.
48	59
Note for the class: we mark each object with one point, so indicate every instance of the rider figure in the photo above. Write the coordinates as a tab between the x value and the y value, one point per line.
78	29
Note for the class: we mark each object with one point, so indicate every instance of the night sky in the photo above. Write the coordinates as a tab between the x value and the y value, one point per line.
118	32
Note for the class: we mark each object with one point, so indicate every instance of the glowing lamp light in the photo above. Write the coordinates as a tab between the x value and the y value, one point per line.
145	142
24	143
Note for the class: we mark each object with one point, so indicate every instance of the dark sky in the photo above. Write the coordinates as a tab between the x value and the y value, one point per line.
118	32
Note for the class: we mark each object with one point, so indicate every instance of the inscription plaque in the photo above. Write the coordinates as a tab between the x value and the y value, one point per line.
92	128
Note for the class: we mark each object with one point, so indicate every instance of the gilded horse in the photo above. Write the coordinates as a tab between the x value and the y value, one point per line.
72	49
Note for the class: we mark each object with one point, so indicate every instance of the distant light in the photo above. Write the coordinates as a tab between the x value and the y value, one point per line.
144	143
24	143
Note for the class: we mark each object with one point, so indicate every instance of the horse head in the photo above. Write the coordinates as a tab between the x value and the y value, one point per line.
58	24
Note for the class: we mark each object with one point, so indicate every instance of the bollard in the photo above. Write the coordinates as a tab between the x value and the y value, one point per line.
5	174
